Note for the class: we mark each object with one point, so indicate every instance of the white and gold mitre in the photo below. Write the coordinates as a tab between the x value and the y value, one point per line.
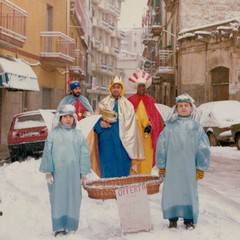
138	77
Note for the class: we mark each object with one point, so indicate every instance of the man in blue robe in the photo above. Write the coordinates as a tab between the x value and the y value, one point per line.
119	142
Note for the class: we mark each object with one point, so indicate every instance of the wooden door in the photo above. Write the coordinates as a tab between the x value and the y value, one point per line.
220	83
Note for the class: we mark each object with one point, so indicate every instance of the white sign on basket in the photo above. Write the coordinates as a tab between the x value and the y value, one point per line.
133	208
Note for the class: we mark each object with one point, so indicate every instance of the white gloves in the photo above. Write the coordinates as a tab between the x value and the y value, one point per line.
49	178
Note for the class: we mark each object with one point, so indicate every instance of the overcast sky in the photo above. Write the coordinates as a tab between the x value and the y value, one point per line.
131	13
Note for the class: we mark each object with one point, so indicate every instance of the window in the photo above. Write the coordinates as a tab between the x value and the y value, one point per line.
46	98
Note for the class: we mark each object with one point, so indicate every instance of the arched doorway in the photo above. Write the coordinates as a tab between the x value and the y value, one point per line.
220	83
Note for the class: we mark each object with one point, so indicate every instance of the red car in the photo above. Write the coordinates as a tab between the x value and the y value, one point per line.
27	135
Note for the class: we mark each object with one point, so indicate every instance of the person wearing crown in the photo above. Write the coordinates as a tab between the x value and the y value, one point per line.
149	120
81	103
119	142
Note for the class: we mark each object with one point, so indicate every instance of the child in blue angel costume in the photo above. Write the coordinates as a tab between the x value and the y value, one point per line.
183	154
65	161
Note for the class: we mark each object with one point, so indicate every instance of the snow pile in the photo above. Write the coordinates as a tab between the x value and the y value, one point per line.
26	208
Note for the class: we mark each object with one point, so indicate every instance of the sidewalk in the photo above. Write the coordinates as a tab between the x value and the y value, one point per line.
4	153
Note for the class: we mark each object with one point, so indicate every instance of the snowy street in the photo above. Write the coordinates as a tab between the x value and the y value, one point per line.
26	208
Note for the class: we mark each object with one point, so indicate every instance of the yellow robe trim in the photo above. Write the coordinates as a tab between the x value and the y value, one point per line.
145	166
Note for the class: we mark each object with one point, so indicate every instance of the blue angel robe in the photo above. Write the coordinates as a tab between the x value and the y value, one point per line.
70	99
66	156
182	148
114	160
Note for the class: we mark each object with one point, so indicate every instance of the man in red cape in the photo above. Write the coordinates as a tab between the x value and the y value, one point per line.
149	120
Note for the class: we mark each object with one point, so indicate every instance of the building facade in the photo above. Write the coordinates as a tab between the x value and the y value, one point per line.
215	72
106	40
52	42
192	47
130	57
160	47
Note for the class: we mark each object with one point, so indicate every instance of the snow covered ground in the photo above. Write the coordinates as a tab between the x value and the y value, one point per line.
26	208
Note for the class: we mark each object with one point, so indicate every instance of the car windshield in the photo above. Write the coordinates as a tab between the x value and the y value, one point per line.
29	121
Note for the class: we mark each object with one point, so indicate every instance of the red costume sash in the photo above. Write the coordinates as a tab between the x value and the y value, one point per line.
153	115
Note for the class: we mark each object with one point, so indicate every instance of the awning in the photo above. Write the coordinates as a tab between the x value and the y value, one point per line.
16	74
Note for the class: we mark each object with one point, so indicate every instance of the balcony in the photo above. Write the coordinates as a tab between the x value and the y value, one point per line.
12	25
164	62
79	66
156	22
103	68
149	39
96	42
114	51
120	34
78	13
104	25
57	48
113	9
156	29
111	26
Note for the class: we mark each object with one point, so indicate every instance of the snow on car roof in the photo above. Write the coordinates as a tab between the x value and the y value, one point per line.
30	119
225	112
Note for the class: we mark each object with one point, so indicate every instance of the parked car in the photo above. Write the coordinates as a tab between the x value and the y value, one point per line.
221	121
27	135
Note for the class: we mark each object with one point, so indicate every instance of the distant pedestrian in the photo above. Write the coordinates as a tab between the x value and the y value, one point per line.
65	161
183	154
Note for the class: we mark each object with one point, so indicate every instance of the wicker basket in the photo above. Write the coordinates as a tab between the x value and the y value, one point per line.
105	188
108	115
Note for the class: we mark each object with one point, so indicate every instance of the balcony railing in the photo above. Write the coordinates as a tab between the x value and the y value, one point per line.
114	9
12	25
164	62
96	42
156	27
149	39
57	48
120	34
103	68
79	65
164	58
116	50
